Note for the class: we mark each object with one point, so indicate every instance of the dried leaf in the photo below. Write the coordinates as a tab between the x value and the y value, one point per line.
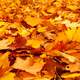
41	29
65	55
4	62
76	35
35	43
70	75
32	20
70	33
4	44
26	65
8	76
73	67
61	37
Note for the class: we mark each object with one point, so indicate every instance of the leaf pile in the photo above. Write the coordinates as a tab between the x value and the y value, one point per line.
39	39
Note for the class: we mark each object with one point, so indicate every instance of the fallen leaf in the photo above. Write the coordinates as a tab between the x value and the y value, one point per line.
76	35
61	37
8	76
70	75
35	43
41	29
4	44
70	33
32	20
4	62
28	65
73	67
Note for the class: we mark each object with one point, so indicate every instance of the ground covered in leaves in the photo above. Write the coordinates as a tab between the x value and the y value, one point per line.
39	39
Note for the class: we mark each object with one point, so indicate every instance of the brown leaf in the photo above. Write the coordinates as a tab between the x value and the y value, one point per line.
19	42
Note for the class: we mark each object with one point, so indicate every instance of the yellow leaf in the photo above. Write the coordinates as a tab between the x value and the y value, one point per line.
6	42
72	25
43	1
43	55
4	62
43	78
70	33
34	43
70	75
28	65
10	39
2	23
65	55
76	35
61	37
41	29
8	76
69	57
21	29
72	7
32	20
51	10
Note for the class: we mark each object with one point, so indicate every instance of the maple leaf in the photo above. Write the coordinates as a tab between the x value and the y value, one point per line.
4	62
76	35
32	20
61	37
70	33
28	65
4	44
8	76
4	68
35	43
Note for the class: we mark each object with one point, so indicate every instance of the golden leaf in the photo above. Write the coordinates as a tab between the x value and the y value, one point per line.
8	76
41	29
61	37
34	43
70	75
4	44
4	62
72	7
76	35
70	33
32	20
